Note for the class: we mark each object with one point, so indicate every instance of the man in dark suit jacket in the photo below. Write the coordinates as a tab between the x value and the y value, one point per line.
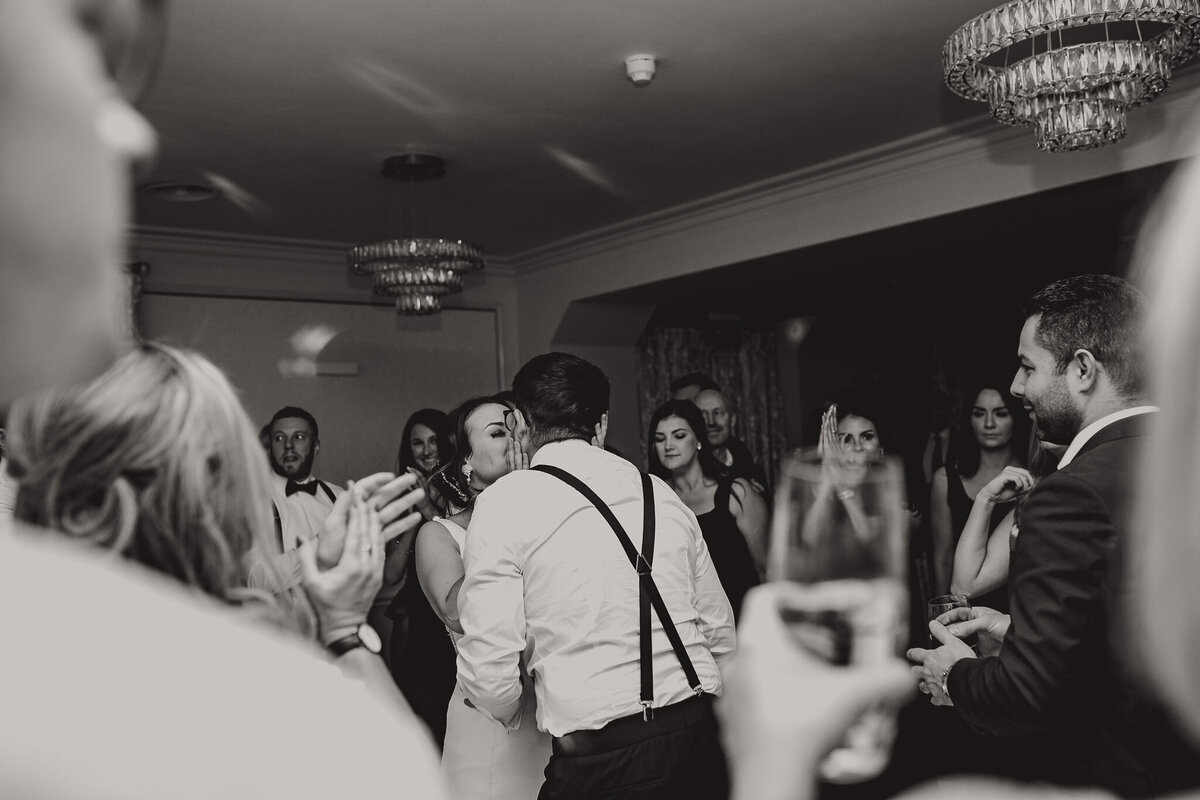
1063	670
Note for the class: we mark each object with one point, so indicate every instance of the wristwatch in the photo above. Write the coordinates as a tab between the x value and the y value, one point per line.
364	636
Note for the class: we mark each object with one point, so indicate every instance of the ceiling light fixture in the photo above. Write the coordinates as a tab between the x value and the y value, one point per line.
417	272
1071	68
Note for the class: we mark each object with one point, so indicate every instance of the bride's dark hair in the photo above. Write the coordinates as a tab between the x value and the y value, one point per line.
455	449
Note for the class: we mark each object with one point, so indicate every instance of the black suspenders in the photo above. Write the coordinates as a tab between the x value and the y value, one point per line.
649	594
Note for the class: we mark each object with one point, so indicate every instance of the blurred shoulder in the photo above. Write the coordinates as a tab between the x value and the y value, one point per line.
996	789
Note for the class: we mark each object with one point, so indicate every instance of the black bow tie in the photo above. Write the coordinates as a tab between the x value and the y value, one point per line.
307	488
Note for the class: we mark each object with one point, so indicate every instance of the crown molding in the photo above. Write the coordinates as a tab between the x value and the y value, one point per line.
979	139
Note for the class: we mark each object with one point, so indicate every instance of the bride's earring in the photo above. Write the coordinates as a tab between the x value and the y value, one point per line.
467	469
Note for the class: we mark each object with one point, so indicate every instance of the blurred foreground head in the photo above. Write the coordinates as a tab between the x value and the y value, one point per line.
69	138
1165	557
154	460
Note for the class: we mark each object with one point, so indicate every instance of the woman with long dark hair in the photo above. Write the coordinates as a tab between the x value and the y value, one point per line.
981	556
420	655
990	440
418	454
481	760
732	516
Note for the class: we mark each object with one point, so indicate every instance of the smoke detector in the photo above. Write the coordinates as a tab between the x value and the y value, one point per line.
640	69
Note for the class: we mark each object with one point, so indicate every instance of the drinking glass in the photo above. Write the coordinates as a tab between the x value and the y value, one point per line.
838	543
940	605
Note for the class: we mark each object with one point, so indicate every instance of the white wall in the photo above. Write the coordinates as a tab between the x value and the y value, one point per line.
239	299
208	265
402	364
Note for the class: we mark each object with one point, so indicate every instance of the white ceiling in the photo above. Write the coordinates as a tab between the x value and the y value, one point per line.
294	104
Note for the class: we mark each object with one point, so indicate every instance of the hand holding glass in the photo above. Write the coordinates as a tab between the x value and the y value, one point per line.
837	545
948	602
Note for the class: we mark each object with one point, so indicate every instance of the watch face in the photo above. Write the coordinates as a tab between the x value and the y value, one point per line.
370	638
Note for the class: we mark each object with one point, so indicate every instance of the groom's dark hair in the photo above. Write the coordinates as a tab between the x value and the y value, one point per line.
563	395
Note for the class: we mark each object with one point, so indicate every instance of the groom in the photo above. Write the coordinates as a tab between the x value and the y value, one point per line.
1063	667
626	694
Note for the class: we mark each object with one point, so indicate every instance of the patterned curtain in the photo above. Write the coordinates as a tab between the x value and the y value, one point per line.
743	362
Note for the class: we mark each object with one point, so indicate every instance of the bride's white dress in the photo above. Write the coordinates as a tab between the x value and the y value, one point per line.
481	760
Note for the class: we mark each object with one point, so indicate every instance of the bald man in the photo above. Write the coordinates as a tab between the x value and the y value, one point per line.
730	451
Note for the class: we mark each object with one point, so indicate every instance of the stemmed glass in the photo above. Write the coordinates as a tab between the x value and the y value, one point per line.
837	545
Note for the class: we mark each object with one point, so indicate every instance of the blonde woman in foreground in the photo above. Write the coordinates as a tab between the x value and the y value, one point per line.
156	462
784	709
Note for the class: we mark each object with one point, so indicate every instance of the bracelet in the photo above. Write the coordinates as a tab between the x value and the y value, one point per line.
945	679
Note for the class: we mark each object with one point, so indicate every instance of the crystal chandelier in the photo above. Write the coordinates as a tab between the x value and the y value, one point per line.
418	273
1071	68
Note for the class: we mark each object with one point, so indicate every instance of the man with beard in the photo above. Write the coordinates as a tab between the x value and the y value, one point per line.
302	502
1062	669
728	449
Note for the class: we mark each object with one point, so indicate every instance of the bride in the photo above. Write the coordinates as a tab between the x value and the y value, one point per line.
481	760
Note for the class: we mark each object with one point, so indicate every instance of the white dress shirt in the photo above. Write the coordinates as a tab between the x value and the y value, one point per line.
544	571
1085	435
301	517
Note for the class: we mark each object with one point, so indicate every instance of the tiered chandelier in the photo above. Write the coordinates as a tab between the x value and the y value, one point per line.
418	273
1071	68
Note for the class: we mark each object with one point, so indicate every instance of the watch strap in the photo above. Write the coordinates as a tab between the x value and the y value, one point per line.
345	644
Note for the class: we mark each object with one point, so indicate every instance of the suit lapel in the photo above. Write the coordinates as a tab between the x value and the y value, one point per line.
1135	426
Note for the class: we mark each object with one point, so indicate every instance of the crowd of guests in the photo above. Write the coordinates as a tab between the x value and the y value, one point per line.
189	615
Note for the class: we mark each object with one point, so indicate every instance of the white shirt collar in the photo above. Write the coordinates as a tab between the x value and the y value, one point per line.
1085	435
549	448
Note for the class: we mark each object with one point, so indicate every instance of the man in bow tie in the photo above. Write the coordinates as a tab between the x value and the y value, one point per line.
301	501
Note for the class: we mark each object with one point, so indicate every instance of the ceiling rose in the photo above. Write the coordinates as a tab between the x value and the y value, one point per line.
417	272
1071	69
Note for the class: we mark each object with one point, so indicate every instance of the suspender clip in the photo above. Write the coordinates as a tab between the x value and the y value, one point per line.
697	690
643	566
647	710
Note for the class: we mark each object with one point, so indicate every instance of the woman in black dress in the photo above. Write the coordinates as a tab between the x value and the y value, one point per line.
991	439
732	516
421	655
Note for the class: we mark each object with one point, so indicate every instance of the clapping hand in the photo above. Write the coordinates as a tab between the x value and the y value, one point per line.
427	508
389	495
829	447
1010	484
342	594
